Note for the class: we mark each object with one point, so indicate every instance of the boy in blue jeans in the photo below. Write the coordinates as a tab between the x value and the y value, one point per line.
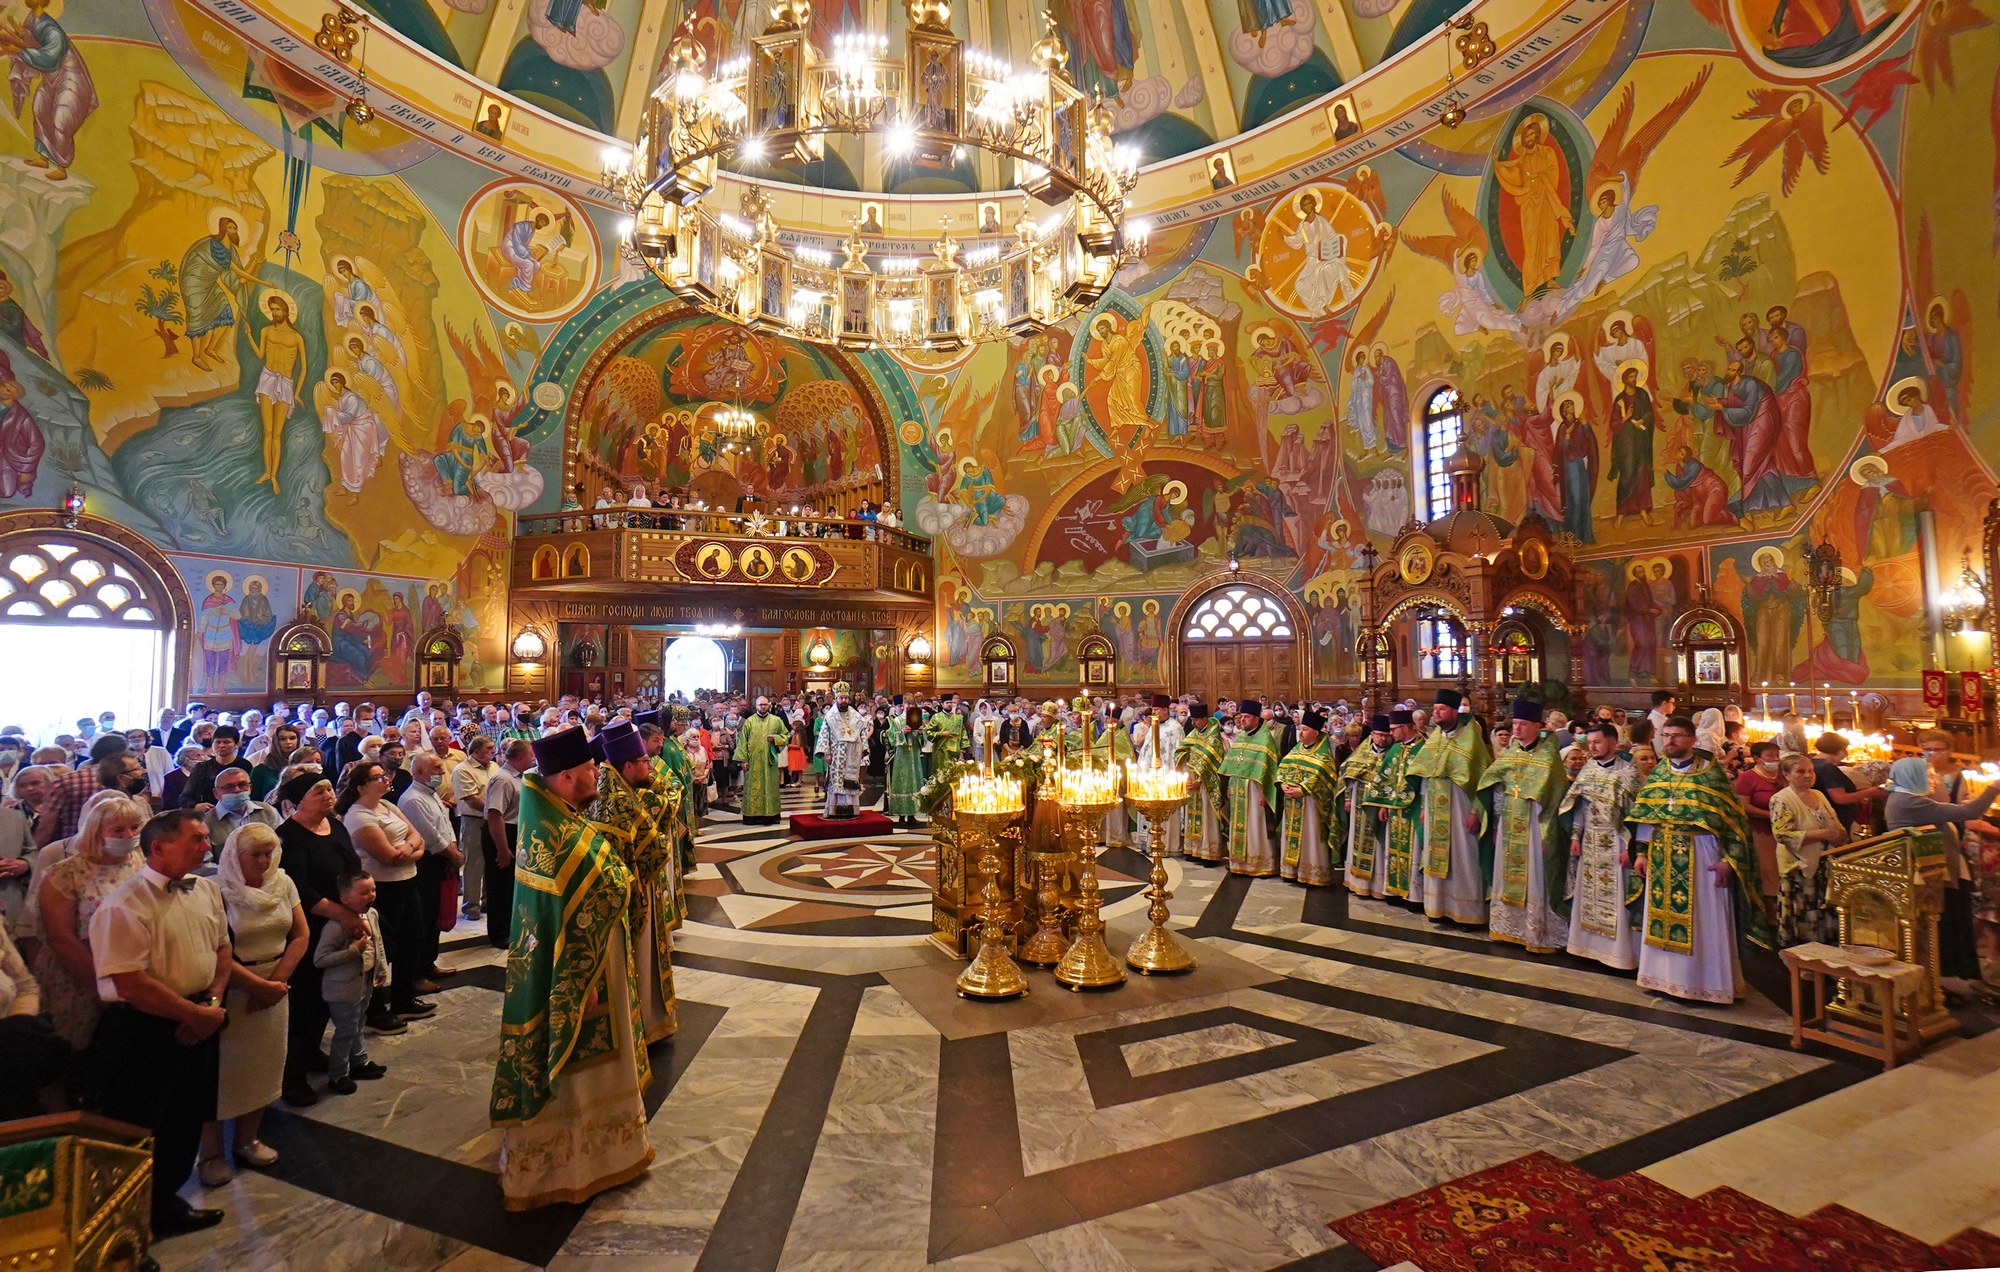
351	970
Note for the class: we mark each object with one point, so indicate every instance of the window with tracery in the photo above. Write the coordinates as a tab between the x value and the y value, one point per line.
1443	427
1237	613
48	577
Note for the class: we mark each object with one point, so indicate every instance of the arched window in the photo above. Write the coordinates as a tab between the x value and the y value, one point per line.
88	626
1441	647
1444	426
1237	613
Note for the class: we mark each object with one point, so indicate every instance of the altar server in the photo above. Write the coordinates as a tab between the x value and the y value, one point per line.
1530	843
1457	853
1605	884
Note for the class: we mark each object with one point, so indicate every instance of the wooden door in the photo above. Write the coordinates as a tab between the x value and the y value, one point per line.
1240	669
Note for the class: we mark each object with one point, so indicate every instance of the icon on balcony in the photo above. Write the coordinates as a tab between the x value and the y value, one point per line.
756	563
714	561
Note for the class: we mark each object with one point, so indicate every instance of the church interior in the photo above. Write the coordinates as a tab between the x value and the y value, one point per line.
1414	585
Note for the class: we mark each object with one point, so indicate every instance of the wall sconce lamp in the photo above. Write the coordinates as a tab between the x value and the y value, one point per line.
820	655
918	651
529	646
1962	609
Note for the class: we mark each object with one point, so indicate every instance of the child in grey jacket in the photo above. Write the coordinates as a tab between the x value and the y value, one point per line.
350	971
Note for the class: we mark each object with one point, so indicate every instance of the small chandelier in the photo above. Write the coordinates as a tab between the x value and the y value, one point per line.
779	103
1963	608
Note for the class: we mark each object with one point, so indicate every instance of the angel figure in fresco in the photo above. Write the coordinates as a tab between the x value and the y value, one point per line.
366	363
1794	125
1534	183
1325	281
1118	361
1280	377
1614	178
1471	300
1943	21
346	288
1361	400
45	60
346	416
1560	367
1945	347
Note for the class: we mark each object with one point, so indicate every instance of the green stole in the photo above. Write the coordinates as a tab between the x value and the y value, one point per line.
571	893
1201	756
906	766
946	731
1459	758
762	763
1517	776
1390	790
1360	767
1310	768
681	770
1681	805
1252	761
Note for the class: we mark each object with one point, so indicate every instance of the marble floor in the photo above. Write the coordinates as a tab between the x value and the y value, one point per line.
1330	1055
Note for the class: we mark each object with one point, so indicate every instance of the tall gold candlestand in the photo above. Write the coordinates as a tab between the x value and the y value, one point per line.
1157	949
993	973
1087	795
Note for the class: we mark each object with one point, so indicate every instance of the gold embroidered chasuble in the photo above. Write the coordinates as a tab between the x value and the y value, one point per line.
1360	835
1598	799
1393	792
1681	804
1445	759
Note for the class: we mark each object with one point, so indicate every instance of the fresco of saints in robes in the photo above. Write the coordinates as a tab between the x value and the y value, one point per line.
211	277
45	60
1534	204
346	416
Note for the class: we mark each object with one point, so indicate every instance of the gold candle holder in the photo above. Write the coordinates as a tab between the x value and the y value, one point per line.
1086	795
1158	793
987	806
1045	948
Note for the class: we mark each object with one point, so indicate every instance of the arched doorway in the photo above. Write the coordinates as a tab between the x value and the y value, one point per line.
1239	640
693	663
92	621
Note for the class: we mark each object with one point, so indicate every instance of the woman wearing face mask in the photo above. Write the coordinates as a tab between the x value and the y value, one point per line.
1756	785
60	907
176	778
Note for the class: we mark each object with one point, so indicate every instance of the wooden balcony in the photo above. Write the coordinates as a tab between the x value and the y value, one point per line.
661	555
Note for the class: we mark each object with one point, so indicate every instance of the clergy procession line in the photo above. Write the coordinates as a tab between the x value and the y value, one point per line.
1656	875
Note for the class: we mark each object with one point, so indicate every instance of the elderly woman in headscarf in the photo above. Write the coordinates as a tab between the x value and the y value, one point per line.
1792	735
1708	733
1922	791
1803	826
267	938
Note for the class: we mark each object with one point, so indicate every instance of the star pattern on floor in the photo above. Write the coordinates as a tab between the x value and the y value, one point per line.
867	867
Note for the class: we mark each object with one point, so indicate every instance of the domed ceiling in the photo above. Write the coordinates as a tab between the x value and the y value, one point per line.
1180	74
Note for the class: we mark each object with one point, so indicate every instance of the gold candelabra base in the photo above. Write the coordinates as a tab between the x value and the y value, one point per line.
1046	947
1158	950
993	973
1088	962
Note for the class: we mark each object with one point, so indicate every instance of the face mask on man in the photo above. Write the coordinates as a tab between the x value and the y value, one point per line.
234	802
433	780
123	846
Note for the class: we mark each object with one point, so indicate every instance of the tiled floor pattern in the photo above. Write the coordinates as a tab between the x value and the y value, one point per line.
808	1117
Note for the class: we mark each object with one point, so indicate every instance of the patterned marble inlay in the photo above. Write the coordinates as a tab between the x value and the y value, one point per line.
1178	1051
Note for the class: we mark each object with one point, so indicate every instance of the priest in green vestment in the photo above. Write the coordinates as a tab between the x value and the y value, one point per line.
569	1082
640	821
1605	888
949	740
1110	747
1251	768
1367	873
1691	839
675	782
760	749
1312	788
1530	837
1391	795
1456	853
906	764
1204	835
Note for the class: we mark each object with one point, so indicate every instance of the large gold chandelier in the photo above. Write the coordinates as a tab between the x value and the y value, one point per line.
779	102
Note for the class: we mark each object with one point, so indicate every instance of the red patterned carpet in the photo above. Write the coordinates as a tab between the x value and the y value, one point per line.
814	826
1540	1214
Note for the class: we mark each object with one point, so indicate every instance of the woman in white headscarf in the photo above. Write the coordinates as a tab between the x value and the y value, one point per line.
267	936
1708	733
1792	736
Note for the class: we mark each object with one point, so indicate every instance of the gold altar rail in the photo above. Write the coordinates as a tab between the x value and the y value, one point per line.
613	546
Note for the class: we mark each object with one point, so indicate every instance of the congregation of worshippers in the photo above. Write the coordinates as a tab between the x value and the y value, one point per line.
322	852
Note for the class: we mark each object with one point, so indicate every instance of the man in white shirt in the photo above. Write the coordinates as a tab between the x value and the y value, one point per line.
1663	706
423	804
503	827
161	944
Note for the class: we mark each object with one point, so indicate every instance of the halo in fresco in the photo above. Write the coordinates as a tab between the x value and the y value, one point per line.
530	251
1318	252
